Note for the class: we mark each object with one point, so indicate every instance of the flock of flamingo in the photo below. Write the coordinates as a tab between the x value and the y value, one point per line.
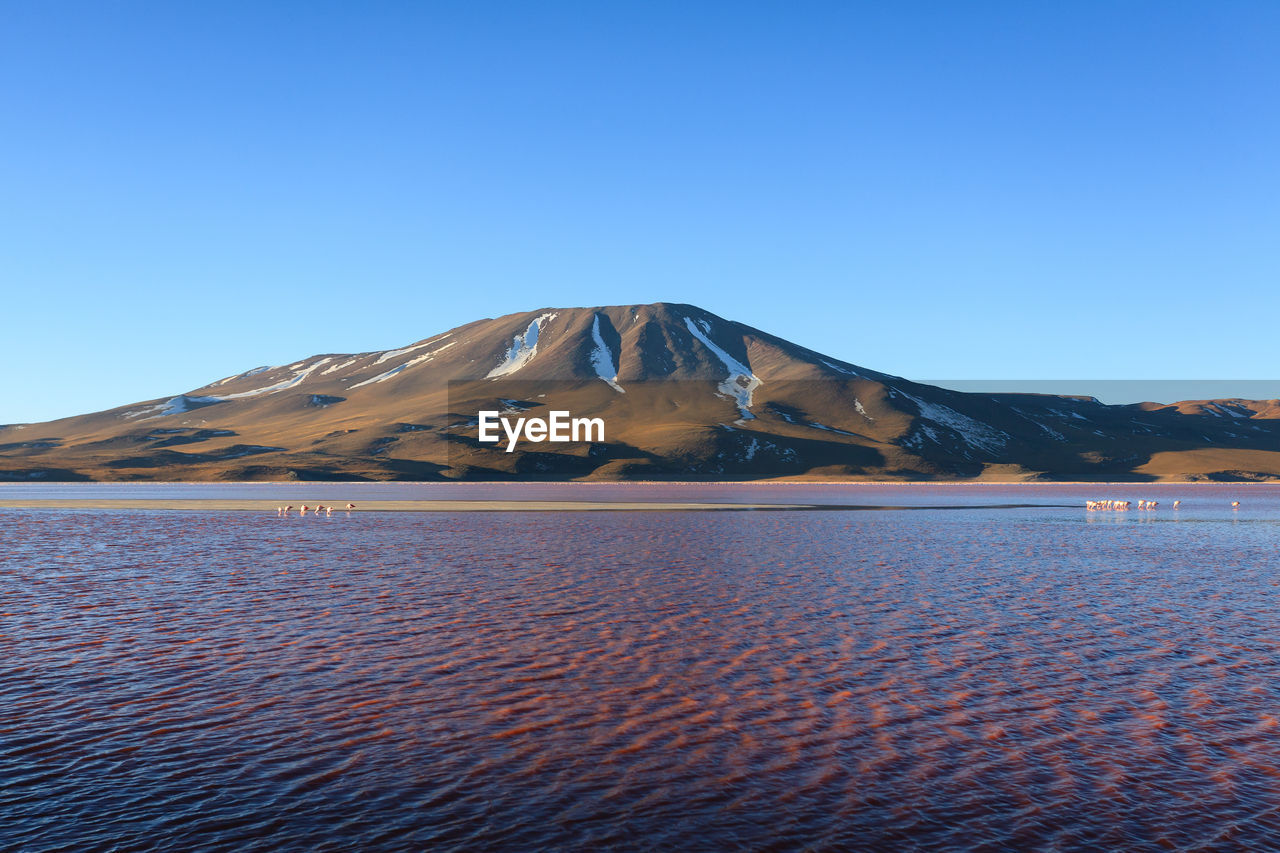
1122	506
282	511
1101	506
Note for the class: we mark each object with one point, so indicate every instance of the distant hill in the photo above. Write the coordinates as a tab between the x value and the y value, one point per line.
685	394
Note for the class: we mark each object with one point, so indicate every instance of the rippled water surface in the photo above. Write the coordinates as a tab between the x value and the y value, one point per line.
1011	679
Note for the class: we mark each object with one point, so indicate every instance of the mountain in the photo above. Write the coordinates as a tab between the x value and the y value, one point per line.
681	392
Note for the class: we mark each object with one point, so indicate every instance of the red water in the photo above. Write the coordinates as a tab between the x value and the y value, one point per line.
1036	678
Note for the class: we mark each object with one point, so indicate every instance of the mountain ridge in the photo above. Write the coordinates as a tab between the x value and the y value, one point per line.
687	394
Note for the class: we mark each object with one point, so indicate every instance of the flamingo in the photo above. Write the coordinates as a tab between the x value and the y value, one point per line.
1235	504
350	507
1176	504
303	511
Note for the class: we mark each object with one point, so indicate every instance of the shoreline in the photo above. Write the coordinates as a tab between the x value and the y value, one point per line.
303	484
481	505
270	506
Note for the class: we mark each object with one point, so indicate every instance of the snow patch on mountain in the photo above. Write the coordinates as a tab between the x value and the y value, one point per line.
293	380
916	439
602	359
178	405
838	369
247	373
792	419
396	371
182	404
974	433
741	382
390	354
1231	410
336	367
1048	430
523	348
816	425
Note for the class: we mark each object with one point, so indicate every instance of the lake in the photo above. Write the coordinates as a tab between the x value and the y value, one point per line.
960	675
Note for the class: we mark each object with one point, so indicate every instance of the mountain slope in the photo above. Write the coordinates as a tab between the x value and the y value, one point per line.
684	394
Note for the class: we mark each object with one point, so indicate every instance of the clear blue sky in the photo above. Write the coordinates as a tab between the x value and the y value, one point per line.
963	190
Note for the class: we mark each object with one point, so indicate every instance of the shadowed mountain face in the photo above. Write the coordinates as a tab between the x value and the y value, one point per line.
683	394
